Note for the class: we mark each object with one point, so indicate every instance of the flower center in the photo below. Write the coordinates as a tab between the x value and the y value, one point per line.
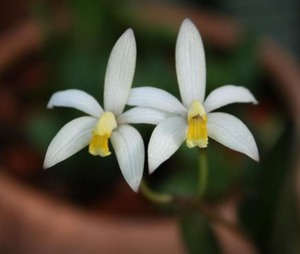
197	130
101	133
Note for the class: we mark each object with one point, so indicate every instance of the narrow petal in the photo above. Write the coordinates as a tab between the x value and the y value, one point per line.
142	115
129	148
190	64
233	133
77	99
155	98
119	73
165	140
74	136
226	95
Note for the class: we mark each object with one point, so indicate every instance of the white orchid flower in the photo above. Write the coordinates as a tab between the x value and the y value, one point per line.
193	120
109	123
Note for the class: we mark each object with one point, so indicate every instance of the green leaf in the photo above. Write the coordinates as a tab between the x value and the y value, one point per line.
197	234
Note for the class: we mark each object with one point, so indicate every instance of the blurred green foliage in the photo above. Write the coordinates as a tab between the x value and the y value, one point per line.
197	233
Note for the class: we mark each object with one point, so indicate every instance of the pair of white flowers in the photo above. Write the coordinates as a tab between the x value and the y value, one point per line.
191	120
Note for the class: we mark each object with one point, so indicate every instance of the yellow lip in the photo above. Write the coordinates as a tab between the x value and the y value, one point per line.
101	134
197	129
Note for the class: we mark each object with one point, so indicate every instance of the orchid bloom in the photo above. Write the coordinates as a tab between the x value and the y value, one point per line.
108	124
193	120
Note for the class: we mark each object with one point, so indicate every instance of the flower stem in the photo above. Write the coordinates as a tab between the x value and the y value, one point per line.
203	173
206	210
153	196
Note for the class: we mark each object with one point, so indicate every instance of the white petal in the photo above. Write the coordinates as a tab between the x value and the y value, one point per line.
190	64
226	95
77	99
71	138
119	73
155	98
142	115
233	133
129	148
165	140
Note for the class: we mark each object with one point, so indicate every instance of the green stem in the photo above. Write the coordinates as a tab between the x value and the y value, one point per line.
153	196
203	173
186	202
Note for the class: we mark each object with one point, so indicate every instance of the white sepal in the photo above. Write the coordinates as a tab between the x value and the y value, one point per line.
155	98
165	140
77	99
71	138
142	115
119	73
190	64
233	133
226	95
129	148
